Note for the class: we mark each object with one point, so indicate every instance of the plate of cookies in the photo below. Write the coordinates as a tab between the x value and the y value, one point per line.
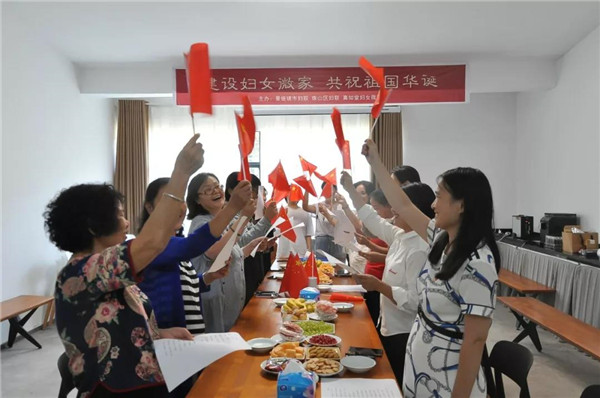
323	352
324	367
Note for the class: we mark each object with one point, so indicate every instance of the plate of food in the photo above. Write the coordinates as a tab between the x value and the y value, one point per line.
324	340
323	352
274	365
310	328
324	367
291	331
288	349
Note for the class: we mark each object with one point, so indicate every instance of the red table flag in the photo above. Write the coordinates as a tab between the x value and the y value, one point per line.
281	187
296	193
329	177
199	79
340	141
294	278
285	225
311	267
306	184
379	76
307	166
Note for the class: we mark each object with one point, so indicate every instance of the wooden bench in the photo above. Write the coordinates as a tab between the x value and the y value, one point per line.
576	332
11	309
521	284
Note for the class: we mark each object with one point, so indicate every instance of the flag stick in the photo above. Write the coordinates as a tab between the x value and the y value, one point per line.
193	124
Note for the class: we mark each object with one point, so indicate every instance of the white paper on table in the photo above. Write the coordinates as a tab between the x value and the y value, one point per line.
260	204
278	221
359	388
225	252
180	359
347	289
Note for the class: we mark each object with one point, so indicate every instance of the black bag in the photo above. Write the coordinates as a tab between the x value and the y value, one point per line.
485	359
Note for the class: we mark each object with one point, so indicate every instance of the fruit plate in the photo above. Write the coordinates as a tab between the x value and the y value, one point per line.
316	317
313	340
319	366
280	361
311	328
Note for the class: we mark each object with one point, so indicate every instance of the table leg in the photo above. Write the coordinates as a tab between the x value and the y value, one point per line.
529	329
16	326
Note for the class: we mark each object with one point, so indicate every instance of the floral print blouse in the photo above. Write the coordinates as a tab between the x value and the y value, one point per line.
106	323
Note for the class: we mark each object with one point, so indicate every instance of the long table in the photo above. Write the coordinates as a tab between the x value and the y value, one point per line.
239	374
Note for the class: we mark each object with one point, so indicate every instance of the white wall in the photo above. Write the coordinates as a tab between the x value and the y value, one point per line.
478	134
53	137
558	146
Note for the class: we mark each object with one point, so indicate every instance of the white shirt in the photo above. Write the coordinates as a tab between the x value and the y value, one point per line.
285	246
406	257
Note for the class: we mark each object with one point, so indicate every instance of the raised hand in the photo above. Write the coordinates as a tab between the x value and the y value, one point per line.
249	209
369	150
191	157
271	210
346	181
241	194
369	282
361	239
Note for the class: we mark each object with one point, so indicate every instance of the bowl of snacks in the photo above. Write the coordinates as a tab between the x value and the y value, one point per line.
358	363
289	349
274	365
323	352
324	340
291	331
324	367
295	310
325	310
261	344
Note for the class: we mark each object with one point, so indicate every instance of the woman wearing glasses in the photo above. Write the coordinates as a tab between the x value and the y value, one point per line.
224	302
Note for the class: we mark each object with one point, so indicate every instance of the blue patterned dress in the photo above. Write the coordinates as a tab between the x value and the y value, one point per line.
431	358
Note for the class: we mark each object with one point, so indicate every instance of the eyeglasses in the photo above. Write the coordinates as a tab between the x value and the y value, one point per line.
210	190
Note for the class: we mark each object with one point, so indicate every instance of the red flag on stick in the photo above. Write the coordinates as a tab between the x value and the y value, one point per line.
306	184
311	267
246	134
296	193
294	277
327	190
307	166
281	187
340	141
199	79
329	177
378	75
285	225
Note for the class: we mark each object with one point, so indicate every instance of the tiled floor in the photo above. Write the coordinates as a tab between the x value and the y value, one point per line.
559	371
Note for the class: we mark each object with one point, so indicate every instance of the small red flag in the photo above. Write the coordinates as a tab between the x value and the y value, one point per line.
281	187
329	177
311	267
340	141
379	76
307	166
327	191
294	277
244	173
199	79
306	184
285	225
296	193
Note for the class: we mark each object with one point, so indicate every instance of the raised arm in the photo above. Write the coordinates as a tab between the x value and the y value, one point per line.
157	231
349	213
394	193
305	206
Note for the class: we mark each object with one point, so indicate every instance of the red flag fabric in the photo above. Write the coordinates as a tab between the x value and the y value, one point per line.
306	184
244	173
307	166
248	126
294	277
329	177
327	191
199	79
281	187
340	141
296	193
285	225
311	267
379	76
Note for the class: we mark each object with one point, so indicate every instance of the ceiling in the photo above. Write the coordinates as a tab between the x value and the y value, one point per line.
117	32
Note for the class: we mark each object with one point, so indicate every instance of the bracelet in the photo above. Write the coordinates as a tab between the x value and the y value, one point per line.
170	195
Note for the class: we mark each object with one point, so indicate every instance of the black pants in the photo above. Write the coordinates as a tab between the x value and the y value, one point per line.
372	302
395	349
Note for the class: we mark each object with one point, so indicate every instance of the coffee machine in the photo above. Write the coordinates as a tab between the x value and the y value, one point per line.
522	226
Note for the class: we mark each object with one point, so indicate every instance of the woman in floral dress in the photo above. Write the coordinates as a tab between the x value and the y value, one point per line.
457	285
105	322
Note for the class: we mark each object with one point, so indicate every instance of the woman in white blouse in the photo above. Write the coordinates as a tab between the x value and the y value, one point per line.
406	255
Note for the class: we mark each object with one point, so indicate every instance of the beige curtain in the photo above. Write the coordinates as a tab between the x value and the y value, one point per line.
388	137
131	170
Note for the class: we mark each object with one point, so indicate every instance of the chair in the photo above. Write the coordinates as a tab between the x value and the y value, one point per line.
592	391
514	361
66	384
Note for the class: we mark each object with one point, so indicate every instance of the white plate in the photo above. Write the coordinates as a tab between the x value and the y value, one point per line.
262	344
338	341
315	317
340	370
343	307
358	363
279	301
324	288
263	365
279	339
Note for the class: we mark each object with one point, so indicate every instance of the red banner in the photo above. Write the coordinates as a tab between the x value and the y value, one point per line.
314	86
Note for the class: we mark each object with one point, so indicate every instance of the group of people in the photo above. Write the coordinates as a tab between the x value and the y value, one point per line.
431	270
